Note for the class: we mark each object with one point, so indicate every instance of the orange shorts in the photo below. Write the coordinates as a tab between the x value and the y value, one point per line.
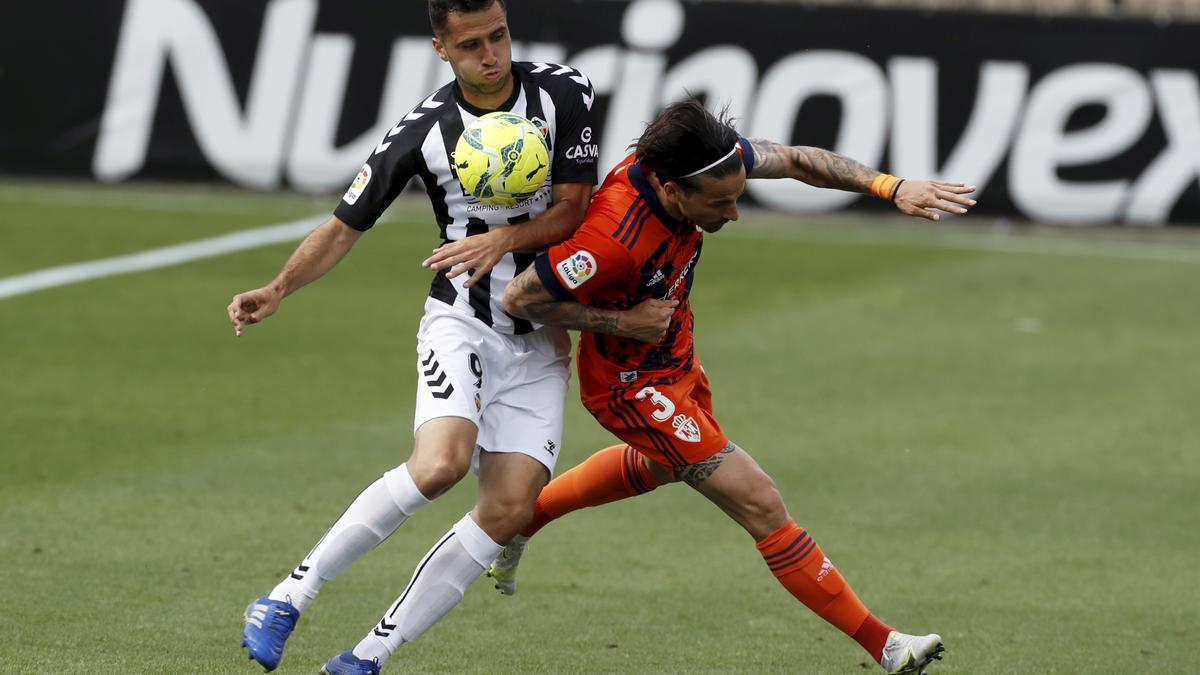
671	424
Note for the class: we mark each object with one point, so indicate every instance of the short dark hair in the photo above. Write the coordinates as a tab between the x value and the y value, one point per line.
685	137
440	9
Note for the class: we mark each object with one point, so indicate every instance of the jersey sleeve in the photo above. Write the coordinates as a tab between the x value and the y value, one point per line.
588	263
576	141
389	168
746	150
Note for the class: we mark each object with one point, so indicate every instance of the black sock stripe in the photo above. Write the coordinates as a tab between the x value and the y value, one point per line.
417	574
635	479
318	544
631	472
796	543
799	556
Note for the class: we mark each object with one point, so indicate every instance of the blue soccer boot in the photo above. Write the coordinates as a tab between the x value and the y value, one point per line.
268	623
347	663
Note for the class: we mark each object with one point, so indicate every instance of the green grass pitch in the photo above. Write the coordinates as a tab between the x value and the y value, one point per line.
994	437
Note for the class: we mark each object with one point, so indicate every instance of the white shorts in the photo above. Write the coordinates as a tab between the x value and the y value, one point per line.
513	387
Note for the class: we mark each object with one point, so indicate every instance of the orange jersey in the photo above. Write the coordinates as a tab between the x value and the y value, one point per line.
629	249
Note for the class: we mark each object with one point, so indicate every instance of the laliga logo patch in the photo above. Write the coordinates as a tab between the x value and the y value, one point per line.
359	184
577	269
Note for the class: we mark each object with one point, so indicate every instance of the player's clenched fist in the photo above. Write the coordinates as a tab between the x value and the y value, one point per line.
648	320
252	307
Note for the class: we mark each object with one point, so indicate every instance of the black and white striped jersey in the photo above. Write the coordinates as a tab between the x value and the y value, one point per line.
557	99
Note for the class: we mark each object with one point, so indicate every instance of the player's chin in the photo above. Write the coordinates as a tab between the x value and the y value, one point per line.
493	81
713	227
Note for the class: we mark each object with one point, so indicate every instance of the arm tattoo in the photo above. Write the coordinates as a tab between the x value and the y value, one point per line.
695	474
817	167
771	160
567	314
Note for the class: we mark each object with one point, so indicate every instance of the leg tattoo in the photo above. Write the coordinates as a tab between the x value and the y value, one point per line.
695	474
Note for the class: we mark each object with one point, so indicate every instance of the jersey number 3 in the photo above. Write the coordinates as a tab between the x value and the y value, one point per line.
665	407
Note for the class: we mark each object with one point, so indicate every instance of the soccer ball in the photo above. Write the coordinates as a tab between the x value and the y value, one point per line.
502	159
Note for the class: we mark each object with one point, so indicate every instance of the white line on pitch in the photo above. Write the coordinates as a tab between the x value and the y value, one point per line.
986	242
158	257
296	230
151	197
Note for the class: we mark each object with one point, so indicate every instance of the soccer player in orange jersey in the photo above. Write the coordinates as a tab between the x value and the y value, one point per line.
636	253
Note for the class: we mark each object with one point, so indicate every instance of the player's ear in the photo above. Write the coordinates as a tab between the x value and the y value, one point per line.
440	49
653	180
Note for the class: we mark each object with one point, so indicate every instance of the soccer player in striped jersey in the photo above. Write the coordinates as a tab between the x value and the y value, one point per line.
640	243
491	386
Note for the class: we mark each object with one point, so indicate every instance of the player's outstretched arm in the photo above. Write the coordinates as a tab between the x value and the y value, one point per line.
481	252
527	298
316	255
825	169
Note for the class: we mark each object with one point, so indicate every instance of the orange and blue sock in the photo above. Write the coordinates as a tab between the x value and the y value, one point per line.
800	565
609	475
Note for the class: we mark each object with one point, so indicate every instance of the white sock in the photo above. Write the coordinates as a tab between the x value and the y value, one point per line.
453	564
372	517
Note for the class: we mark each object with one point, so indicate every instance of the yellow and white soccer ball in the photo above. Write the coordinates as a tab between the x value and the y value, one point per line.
502	159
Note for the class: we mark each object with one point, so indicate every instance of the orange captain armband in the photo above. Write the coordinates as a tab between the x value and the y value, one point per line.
884	186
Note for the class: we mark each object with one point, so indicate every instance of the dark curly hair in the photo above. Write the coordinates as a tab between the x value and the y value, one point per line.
686	137
440	9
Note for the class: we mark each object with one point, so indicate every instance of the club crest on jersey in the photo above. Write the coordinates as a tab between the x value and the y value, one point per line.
542	126
359	184
577	269
686	428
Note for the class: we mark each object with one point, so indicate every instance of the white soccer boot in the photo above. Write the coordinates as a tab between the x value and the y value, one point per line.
504	567
905	654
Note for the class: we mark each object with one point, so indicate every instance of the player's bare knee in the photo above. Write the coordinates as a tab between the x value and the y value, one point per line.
503	518
434	475
763	510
